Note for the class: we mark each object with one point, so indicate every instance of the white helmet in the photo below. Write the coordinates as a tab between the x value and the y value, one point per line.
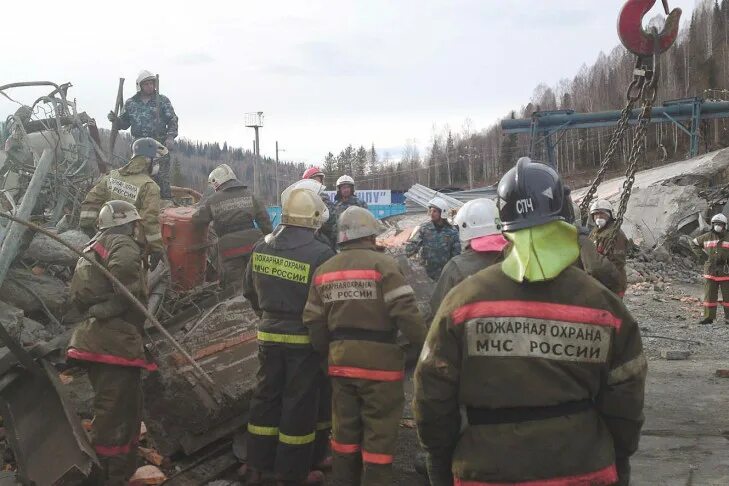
116	213
221	174
303	208
439	203
601	205
345	179
143	76
355	223
719	218
316	187
477	218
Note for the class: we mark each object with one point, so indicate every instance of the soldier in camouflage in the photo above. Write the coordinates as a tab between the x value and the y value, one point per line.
436	240
150	114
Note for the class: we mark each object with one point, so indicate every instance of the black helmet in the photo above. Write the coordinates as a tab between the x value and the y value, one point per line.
530	194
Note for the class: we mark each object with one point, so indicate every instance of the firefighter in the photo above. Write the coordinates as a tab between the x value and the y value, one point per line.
234	212
284	408
601	212
109	342
357	303
132	183
436	240
715	245
545	363
313	173
343	199
328	228
479	230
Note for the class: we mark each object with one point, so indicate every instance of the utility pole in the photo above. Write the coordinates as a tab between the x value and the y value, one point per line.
254	120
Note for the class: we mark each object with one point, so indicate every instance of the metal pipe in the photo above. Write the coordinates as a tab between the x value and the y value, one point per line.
14	234
206	380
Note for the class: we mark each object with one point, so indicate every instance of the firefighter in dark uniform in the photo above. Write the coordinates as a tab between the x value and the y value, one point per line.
601	212
545	362
284	408
357	303
109	342
233	210
715	246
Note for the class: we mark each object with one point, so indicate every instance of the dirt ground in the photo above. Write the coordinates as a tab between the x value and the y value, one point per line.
686	434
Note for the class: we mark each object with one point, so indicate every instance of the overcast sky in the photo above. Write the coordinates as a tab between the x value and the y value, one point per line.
325	73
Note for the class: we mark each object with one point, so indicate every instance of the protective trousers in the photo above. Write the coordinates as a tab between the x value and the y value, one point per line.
323	421
283	411
233	270
162	177
117	419
365	419
711	296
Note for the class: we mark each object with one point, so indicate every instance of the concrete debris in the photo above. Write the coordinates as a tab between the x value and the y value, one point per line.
148	475
45	250
30	292
675	355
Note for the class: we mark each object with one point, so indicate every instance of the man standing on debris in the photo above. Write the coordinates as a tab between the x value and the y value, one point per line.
357	303
546	363
436	239
132	183
233	210
715	245
601	212
150	114
344	199
479	229
283	412
109	342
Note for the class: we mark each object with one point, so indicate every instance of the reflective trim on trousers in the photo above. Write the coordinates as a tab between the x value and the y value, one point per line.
116	450
365	374
716	279
374	458
603	477
273	337
109	359
266	431
344	448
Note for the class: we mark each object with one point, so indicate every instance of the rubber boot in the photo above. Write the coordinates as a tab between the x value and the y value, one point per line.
708	320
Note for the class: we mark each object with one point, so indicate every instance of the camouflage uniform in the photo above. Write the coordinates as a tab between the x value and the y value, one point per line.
133	184
358	301
142	118
616	256
437	245
109	343
550	375
233	210
335	210
716	270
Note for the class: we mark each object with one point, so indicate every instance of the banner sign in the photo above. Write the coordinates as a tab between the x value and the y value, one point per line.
375	197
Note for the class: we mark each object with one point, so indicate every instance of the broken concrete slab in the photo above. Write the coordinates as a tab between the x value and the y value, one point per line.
24	290
675	354
46	250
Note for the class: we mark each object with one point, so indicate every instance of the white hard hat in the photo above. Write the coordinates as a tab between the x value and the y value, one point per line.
439	203
601	205
303	208
316	187
719	218
477	218
143	76
355	223
116	213
345	179
221	174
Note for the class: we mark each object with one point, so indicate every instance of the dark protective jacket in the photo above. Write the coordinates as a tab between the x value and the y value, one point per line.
716	249
336	209
551	376
277	282
233	210
599	266
112	333
617	255
133	184
358	301
457	269
437	244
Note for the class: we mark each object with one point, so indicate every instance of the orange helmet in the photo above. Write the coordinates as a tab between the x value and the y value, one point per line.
312	172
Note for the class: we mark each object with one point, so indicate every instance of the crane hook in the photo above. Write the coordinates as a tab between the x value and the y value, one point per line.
635	38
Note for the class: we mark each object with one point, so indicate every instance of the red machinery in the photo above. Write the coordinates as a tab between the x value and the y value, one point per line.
186	245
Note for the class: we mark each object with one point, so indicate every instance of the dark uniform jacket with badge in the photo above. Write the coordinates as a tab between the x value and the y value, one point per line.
233	211
131	183
277	282
716	248
112	332
551	375
437	245
617	255
357	303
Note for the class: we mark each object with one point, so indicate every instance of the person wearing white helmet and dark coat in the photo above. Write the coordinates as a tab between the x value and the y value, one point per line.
479	230
343	199
233	210
715	246
436	240
150	114
601	212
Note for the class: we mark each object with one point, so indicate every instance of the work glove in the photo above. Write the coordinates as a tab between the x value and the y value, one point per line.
169	143
154	259
112	117
583	230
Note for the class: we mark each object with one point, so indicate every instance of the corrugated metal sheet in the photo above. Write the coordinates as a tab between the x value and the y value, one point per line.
418	196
